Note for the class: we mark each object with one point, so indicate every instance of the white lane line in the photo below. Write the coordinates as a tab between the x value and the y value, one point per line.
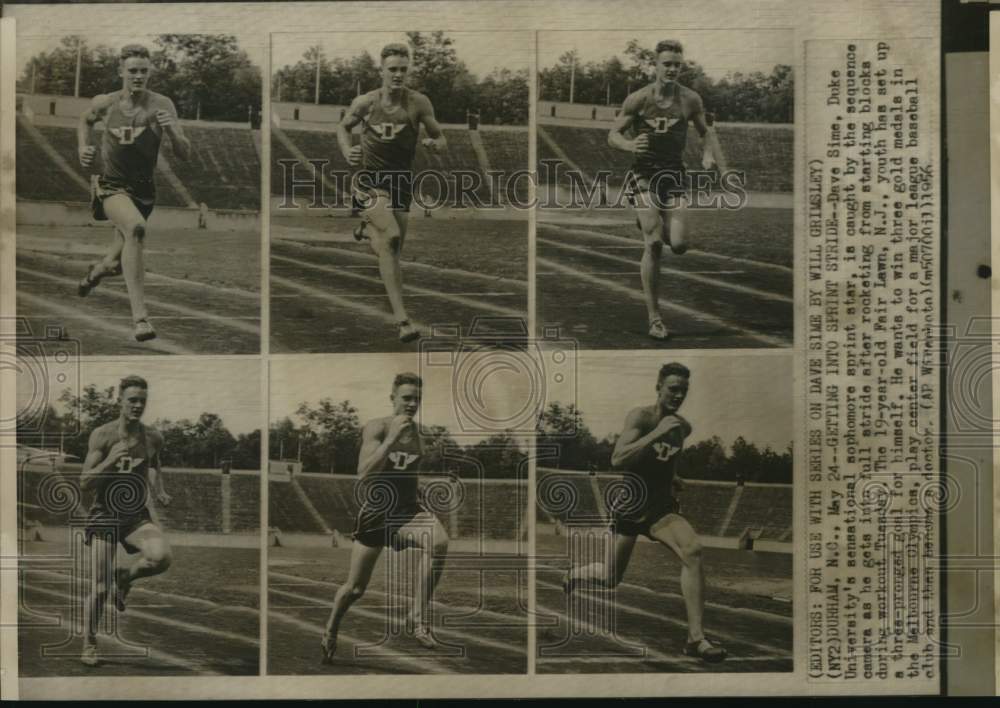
381	616
692	251
426	292
658	617
413	265
336	300
334	586
158	344
161	280
422	665
686	275
648	652
682	659
177	624
189	311
767	339
206	605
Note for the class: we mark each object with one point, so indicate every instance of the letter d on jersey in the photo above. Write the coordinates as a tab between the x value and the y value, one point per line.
664	451
401	460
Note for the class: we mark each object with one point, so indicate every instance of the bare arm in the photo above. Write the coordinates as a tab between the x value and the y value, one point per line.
156	474
85	128
354	116
167	118
617	137
708	138
376	439
632	443
96	463
436	139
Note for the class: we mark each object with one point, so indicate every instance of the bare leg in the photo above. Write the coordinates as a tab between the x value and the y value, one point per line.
651	223
129	221
386	242
433	551
363	559
102	555
675	532
155	555
608	573
675	226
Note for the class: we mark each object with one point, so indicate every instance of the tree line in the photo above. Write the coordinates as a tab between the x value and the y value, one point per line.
753	97
326	437
208	76
565	442
203	443
499	98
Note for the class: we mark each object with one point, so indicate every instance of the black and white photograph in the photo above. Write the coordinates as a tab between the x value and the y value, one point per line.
139	518
138	190
399	187
398	529
665	170
664	517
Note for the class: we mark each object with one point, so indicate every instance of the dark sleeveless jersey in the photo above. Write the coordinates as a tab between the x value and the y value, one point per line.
121	492
389	134
392	489
646	493
666	124
130	143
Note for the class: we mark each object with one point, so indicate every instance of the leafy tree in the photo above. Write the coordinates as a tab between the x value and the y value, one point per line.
561	427
207	76
737	97
246	453
497	457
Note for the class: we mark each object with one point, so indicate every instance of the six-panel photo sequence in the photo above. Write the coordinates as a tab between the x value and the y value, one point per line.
477	346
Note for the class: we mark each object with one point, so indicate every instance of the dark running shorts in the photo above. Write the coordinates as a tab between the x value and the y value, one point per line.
113	529
367	185
640	525
142	195
376	529
663	186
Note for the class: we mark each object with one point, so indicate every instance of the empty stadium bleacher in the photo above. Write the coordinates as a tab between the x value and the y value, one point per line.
286	512
764	154
223	172
490	509
196	498
762	510
506	150
244	512
765	509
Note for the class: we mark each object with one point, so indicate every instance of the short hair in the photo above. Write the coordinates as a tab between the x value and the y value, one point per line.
672	369
669	45
133	50
132	380
395	49
407	377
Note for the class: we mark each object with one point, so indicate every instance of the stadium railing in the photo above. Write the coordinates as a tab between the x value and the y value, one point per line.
718	509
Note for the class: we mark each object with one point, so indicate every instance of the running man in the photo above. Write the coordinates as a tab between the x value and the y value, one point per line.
392	515
653	127
135	121
647	449
390	119
121	468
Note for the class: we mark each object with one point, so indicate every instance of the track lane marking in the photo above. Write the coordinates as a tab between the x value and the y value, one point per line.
692	251
158	344
688	275
189	311
767	339
452	297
